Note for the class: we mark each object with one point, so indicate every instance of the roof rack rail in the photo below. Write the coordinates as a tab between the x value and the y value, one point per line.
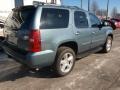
76	7
36	3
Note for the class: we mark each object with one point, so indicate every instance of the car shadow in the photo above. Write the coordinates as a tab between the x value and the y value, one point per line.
25	72
22	72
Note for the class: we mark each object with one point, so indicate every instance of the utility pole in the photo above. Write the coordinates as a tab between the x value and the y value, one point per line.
88	5
61	1
81	3
107	9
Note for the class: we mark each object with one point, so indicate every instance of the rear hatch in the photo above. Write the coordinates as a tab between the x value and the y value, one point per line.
18	25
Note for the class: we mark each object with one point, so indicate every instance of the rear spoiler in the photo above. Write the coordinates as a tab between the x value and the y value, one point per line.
23	7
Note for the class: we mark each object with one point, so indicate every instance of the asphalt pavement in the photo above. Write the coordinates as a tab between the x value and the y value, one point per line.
7	65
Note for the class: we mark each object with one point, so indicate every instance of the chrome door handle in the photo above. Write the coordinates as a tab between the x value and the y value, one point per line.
77	33
93	32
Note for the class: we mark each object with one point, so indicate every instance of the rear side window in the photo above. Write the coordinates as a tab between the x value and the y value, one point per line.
54	18
80	19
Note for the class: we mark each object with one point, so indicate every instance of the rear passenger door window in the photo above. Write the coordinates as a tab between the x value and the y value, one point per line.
80	19
52	18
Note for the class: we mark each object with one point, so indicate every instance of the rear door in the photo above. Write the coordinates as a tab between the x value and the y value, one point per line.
18	25
82	31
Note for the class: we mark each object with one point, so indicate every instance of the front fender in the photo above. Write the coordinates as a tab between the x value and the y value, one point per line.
109	32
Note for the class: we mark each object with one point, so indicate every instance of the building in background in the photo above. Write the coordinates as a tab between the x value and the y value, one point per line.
30	2
7	5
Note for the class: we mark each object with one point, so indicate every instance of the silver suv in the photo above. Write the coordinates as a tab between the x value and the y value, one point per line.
46	35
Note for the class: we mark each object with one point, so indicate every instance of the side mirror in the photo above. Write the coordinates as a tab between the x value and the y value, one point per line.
97	26
105	23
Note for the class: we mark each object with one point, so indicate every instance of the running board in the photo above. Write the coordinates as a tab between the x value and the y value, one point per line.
82	55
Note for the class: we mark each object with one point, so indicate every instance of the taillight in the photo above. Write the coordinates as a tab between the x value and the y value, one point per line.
35	41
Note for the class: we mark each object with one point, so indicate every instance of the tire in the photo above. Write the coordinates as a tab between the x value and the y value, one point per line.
108	45
62	66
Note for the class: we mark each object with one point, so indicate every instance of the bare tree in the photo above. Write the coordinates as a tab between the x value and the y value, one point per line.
94	7
114	12
118	16
101	12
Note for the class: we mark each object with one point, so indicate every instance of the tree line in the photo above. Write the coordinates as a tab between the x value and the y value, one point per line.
103	12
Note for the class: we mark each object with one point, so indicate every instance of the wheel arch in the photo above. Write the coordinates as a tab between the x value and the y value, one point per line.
111	35
72	44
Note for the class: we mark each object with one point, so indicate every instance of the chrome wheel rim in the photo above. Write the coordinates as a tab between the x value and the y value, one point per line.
109	44
66	62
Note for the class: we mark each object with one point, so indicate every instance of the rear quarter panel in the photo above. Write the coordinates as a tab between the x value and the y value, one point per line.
109	30
52	38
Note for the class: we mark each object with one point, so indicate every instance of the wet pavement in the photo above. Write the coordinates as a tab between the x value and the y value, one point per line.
95	72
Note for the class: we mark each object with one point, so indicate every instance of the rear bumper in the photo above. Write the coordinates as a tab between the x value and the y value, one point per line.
32	60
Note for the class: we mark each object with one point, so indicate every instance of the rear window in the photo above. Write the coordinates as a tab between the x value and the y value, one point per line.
54	18
18	17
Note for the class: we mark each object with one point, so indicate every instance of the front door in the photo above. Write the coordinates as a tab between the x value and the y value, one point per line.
98	34
82	31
